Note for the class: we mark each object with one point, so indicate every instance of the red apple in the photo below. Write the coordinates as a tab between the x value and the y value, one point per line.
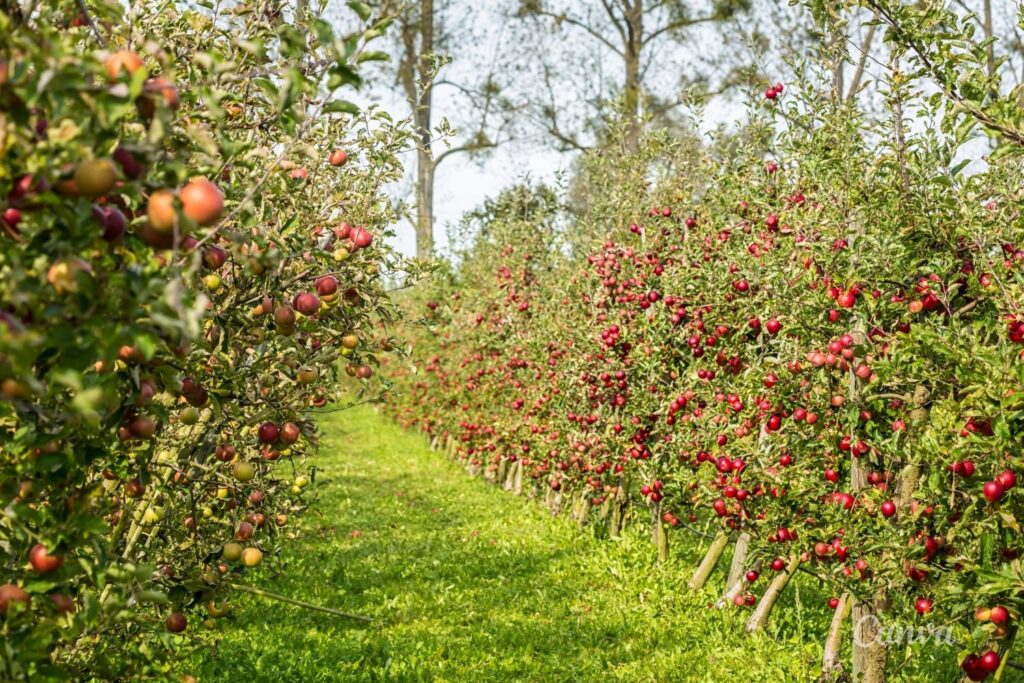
42	561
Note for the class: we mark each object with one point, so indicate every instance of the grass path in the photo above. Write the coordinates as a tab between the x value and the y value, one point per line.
467	583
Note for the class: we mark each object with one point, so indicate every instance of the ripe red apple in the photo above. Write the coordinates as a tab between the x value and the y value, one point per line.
992	491
130	166
306	303
888	508
268	432
972	667
339	157
999	615
161	211
201	201
10	593
155	90
290	432
122	60
142	427
923	606
12	217
361	237
134	488
990	661
214	257
326	285
284	317
42	561
176	622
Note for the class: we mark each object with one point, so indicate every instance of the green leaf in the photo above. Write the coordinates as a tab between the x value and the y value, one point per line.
373	56
361	8
341	107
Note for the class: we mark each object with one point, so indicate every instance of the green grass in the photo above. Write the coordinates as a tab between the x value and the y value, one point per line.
466	582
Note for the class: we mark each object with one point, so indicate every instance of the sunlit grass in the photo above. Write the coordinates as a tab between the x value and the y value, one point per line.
469	583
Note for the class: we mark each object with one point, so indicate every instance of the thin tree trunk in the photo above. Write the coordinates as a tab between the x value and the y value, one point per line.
739	559
759	619
634	15
707	565
619	507
990	49
862	61
735	588
510	473
416	77
831	659
425	198
868	653
655	522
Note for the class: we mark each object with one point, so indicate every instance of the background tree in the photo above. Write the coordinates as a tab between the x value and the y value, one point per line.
431	35
639	42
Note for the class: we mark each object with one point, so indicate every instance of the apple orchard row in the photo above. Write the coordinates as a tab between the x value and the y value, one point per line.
809	346
190	254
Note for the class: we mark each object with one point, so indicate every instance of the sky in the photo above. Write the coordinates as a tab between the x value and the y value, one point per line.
484	37
484	44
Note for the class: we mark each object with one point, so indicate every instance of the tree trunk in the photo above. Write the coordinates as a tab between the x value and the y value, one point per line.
662	544
619	507
868	653
739	559
414	73
831	662
655	522
425	196
579	511
735	588
510	474
633	45
759	619
707	565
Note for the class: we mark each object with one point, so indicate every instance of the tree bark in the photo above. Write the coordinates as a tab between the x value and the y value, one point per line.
868	653
707	565
739	559
619	507
759	619
831	662
633	46
417	80
735	588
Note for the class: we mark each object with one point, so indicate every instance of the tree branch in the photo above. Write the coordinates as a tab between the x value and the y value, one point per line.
559	18
615	20
865	48
676	25
983	117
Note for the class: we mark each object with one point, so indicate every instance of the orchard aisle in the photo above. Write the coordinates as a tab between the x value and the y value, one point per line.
468	583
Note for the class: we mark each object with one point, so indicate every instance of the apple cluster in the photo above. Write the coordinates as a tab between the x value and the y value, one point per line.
192	261
806	342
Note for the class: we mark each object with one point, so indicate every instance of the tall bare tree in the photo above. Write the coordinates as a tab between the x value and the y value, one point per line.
427	43
628	35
